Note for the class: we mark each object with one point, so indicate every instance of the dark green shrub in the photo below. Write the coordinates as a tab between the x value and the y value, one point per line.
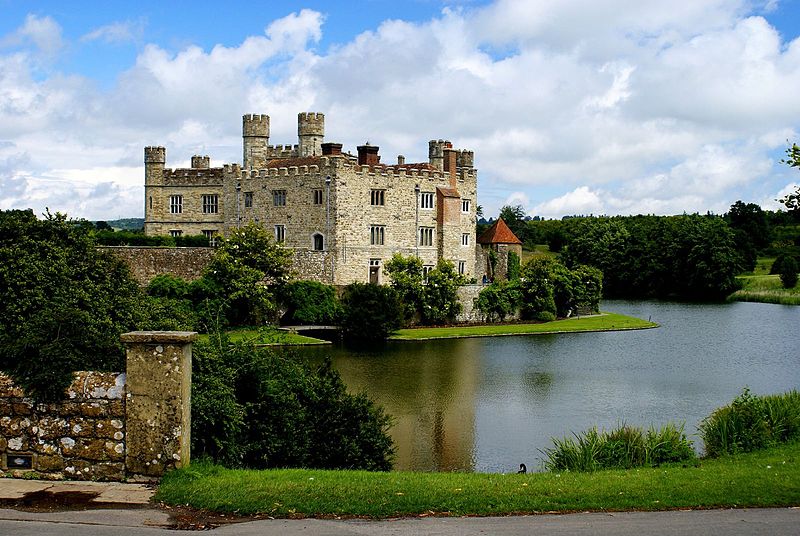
370	312
63	304
168	314
751	422
513	266
168	286
440	303
192	241
260	408
788	273
499	300
780	260
310	302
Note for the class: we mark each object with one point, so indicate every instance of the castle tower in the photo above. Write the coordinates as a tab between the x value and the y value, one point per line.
154	160
436	153
466	159
310	132
201	162
255	139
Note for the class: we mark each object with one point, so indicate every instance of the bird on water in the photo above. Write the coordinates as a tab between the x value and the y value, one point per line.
522	469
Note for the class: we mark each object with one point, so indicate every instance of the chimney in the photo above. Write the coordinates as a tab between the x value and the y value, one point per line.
368	155
331	149
401	160
450	158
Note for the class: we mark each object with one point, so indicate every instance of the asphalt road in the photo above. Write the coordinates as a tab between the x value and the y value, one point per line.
771	521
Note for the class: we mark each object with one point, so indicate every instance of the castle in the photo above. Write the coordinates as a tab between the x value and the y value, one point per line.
343	215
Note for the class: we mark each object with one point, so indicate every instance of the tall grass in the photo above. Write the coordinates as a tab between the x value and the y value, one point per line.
752	422
765	289
621	448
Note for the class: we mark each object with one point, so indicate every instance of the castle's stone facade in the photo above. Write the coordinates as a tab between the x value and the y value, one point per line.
343	215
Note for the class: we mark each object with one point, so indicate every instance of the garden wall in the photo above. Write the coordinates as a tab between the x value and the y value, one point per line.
109	426
146	262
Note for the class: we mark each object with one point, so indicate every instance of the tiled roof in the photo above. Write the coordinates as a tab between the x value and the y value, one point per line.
498	233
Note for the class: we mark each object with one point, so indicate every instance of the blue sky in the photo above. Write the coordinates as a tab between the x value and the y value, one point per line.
616	107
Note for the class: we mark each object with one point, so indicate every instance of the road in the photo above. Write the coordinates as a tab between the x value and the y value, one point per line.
148	522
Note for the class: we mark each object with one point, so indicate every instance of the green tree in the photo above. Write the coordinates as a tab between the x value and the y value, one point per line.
788	273
499	300
537	289
63	304
310	302
370	313
440	294
245	272
792	200
407	280
515	219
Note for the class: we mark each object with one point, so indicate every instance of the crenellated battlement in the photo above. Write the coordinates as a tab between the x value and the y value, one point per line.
255	125
310	124
155	155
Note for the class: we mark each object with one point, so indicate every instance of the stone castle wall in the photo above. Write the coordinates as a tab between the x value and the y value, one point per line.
146	262
109	426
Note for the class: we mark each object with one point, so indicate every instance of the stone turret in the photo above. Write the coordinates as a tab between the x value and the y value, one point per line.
201	162
436	153
466	159
255	140
154	160
310	133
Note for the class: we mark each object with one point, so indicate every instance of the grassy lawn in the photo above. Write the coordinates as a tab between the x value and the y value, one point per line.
766	289
539	250
765	478
268	337
602	322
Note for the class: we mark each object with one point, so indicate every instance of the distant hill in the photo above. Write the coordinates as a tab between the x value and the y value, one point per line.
126	224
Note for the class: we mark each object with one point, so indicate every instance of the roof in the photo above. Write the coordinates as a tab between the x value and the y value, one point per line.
289	162
448	192
498	233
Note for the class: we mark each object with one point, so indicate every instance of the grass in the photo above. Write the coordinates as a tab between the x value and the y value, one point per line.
602	322
759	479
765	289
539	250
268	337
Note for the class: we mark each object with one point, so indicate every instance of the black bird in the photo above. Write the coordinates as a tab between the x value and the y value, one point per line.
522	469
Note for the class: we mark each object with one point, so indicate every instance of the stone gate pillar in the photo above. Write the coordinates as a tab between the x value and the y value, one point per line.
158	401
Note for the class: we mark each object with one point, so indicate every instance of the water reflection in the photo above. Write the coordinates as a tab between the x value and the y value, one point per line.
490	404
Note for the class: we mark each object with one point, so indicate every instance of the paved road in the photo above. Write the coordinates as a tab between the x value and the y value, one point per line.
777	521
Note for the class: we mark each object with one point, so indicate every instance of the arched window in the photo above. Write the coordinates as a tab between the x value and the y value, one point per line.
319	242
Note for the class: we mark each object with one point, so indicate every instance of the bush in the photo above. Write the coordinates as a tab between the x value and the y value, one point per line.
622	448
499	300
168	286
370	312
778	263
440	295
310	302
788	273
261	408
63	304
751	422
513	266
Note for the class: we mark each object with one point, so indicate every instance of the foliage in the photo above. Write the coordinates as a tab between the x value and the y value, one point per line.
499	300
689	256
752	221
243	274
550	289
440	303
105	236
624	447
407	280
792	200
434	301
777	264
370	312
310	302
261	408
168	286
788	273
752	422
514	216
169	314
513	266
63	304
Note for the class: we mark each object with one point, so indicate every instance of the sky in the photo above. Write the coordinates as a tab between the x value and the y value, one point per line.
571	106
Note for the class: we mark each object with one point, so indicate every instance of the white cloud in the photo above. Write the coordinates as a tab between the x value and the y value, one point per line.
43	32
116	32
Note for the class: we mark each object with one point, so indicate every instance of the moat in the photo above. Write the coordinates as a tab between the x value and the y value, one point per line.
489	404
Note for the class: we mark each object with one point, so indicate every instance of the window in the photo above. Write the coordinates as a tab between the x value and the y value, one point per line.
426	269
175	233
465	239
280	233
317	194
376	197
279	198
426	200
426	236
318	242
462	267
210	204
248	199
175	204
151	203
465	205
376	235
211	235
374	271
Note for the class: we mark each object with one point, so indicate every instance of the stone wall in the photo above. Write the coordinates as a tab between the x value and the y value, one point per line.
109	426
146	262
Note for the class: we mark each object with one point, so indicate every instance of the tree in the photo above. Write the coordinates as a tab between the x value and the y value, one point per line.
515	219
245	272
752	220
310	302
63	304
440	303
370	313
792	200
788	272
407	280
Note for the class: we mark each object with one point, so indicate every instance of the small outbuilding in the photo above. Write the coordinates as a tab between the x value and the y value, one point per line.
497	243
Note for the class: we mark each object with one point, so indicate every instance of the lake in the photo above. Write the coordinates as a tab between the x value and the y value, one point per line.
489	404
